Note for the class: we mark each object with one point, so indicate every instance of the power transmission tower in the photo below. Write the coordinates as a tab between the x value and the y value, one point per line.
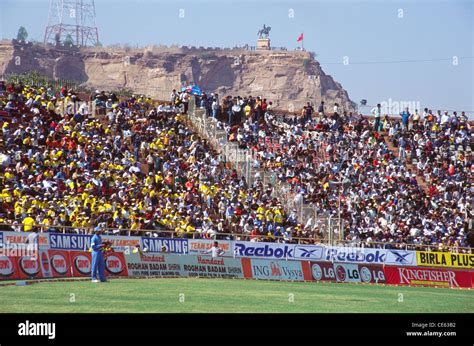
72	19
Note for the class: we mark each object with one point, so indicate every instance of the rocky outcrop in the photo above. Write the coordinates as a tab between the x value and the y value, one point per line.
289	78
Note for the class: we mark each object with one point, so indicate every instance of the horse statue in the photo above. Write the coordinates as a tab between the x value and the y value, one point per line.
263	33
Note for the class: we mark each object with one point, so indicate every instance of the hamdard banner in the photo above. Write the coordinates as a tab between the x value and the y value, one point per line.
172	265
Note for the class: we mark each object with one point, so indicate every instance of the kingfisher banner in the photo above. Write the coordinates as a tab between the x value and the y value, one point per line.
439	277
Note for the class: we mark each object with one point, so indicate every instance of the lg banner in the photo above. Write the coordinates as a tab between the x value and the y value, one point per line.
346	272
429	277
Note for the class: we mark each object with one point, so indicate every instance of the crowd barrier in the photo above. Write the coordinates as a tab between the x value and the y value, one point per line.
68	255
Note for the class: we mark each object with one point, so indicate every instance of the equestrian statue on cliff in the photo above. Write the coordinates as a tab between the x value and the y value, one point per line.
263	33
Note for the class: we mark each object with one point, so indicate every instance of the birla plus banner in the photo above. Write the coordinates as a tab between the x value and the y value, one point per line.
445	259
440	277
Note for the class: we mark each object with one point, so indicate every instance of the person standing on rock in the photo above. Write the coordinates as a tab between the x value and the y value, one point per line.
308	115
377	112
405	118
321	109
173	96
185	101
215	106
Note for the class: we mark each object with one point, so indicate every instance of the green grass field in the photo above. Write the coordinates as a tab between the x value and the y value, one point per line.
227	295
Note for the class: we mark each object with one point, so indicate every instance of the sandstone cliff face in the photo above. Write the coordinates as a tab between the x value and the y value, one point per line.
290	79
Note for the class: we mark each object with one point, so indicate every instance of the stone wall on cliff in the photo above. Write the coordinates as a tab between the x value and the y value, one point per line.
288	78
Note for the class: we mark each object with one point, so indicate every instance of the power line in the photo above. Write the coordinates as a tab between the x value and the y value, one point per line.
395	61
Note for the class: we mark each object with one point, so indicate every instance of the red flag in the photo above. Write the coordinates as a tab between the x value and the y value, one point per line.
300	38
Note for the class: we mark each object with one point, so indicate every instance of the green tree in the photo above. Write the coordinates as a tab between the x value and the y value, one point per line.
68	41
22	34
57	39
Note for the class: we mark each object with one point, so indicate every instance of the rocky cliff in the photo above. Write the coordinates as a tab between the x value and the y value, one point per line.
290	79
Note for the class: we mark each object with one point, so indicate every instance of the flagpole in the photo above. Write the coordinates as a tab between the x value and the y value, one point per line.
302	42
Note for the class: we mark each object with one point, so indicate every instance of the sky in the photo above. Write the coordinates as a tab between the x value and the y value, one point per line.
417	51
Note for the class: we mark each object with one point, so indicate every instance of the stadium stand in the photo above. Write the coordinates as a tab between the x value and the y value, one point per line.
128	166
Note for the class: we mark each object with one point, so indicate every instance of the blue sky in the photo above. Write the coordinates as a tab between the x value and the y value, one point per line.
368	33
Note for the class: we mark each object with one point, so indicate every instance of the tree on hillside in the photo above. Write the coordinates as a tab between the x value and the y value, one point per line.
22	34
68	41
57	39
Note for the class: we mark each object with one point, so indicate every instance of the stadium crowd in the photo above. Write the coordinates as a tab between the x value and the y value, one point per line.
331	159
132	165
135	166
